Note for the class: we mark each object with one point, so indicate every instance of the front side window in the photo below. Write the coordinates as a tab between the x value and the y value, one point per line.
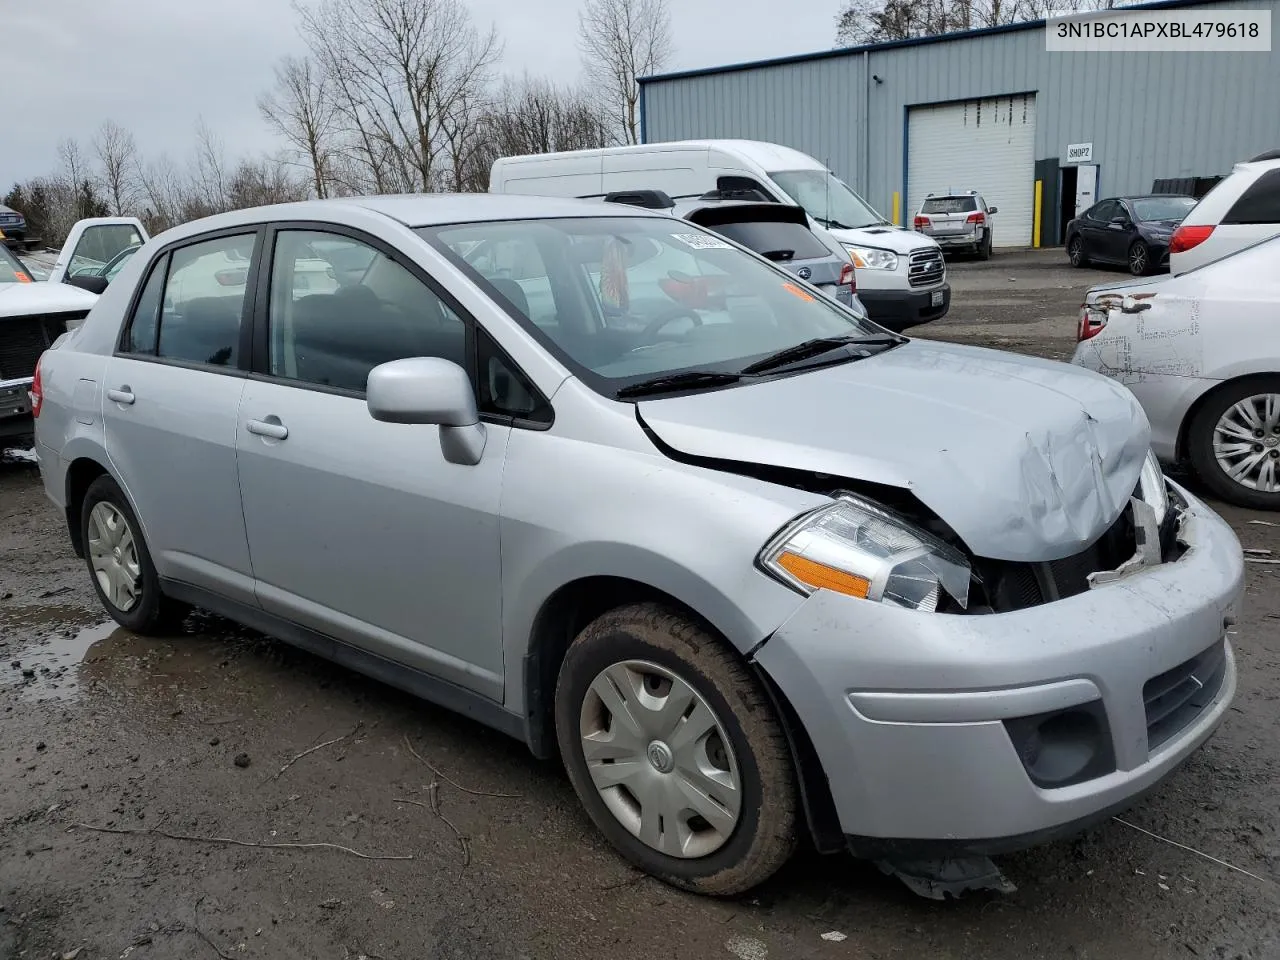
99	245
340	307
827	199
204	301
1162	208
1104	211
632	298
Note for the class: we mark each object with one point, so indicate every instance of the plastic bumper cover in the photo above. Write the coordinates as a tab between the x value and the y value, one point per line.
907	711
899	309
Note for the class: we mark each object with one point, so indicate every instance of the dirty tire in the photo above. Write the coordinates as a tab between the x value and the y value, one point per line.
1200	437
153	613
1075	250
1139	259
984	250
765	833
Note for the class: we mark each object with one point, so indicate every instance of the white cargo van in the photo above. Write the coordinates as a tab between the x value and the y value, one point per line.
901	275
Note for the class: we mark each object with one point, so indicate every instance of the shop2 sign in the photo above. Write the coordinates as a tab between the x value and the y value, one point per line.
1079	153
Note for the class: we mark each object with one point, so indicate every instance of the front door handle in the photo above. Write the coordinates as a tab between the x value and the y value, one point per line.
123	395
270	427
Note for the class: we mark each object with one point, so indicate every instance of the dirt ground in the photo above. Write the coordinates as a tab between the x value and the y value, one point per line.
200	735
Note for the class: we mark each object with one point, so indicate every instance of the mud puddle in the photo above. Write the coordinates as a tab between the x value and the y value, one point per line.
50	668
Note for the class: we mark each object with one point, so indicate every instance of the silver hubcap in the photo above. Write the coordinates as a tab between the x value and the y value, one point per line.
660	759
1138	258
1246	442
113	552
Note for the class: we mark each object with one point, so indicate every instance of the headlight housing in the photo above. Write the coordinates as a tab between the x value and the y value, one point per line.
872	258
857	548
1153	489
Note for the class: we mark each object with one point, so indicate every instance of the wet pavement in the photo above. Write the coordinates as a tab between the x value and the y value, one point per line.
218	734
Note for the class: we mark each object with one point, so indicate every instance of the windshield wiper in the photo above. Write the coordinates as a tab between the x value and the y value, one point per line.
688	380
778	256
814	348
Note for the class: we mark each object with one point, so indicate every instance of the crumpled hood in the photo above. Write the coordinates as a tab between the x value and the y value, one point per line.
886	238
25	299
1026	459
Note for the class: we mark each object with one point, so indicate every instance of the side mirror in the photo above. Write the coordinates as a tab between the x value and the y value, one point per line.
993	209
92	284
1119	222
429	390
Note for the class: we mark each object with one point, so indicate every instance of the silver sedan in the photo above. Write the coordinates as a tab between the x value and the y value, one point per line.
1201	352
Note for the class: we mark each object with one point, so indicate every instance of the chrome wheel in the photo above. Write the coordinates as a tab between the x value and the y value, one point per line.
113	554
1246	442
660	759
1076	252
1138	259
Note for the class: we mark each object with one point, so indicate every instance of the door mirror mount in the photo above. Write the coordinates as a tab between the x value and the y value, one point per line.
93	284
430	390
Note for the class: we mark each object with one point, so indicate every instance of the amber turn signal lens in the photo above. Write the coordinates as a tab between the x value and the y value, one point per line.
822	577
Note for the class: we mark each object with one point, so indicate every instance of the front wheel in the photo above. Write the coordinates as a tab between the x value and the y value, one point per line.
1234	443
1139	259
675	752
120	564
1075	251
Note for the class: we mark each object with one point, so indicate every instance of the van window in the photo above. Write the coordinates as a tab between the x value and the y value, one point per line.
743	188
827	199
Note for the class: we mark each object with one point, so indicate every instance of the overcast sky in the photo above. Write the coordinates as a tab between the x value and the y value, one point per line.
154	66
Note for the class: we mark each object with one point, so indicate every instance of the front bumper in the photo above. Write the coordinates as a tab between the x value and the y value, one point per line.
900	309
913	717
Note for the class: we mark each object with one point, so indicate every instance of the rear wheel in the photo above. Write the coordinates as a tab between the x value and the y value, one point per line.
120	564
984	248
1234	443
1075	250
1139	259
674	750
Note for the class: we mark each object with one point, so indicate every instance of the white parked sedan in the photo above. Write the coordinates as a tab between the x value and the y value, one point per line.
1201	351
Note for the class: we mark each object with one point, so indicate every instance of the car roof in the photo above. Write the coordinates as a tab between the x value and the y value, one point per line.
415	210
1151	196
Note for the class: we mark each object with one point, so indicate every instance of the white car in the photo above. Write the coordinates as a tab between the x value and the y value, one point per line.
1241	209
1201	351
32	316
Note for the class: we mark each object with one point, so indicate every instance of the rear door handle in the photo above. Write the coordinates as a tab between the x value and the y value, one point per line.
271	427
123	395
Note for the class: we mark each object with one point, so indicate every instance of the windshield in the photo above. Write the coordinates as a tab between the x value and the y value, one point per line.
623	300
826	198
11	270
1162	208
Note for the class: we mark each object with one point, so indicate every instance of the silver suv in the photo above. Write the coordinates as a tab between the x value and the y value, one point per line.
960	221
749	564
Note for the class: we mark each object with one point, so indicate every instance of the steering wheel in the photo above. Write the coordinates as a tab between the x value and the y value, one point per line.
673	312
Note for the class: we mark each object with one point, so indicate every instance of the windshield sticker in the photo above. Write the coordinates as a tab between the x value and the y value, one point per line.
792	289
702	241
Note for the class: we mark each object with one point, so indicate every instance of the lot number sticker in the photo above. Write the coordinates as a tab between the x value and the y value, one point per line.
701	241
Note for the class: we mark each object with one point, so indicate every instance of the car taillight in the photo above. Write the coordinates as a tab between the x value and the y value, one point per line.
1090	325
36	393
847	278
976	218
921	222
1185	237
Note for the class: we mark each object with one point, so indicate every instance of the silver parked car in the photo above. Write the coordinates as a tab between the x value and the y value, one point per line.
960	221
1200	353
751	565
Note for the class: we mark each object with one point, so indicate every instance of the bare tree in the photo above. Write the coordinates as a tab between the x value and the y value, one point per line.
161	187
117	157
399	69
75	168
301	110
255	183
875	21
210	178
621	41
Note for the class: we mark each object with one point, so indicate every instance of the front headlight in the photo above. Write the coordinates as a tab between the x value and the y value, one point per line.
859	549
872	258
1155	492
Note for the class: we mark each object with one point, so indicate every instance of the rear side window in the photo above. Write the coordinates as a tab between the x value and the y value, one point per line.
777	241
204	299
1260	203
950	205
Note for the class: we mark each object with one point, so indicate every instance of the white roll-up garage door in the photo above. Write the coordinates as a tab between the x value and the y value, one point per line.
985	145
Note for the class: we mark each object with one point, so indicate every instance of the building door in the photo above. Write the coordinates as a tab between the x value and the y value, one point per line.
985	145
1086	187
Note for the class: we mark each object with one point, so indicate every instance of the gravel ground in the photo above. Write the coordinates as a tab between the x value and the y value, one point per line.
194	735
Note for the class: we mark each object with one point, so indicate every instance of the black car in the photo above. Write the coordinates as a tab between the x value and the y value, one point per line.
1130	232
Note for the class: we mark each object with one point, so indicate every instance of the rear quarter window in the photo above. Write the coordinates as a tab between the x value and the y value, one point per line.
772	237
1260	203
949	205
